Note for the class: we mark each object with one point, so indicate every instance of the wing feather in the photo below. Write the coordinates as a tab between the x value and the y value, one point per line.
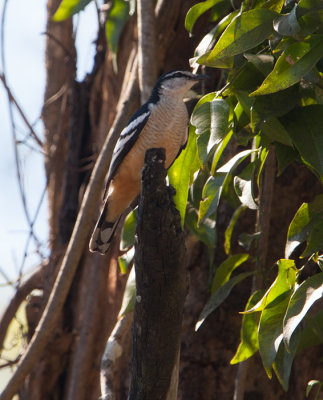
127	139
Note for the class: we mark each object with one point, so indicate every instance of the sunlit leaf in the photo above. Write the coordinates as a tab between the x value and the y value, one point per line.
224	271
211	122
117	16
302	224
181	172
67	8
198	9
205	43
311	384
128	232
128	301
126	260
293	64
243	186
301	301
275	5
214	185
270	329
284	282
249	331
219	296
245	32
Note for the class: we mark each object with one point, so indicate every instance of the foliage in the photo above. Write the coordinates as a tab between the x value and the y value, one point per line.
117	15
271	56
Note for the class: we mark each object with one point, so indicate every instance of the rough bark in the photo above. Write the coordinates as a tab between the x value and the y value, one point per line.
161	284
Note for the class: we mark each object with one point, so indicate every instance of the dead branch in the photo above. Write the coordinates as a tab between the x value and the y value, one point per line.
115	348
147	67
161	285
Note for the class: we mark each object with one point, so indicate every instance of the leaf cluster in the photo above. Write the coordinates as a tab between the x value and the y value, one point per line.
271	57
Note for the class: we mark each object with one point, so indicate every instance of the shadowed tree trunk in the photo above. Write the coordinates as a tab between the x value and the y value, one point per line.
161	284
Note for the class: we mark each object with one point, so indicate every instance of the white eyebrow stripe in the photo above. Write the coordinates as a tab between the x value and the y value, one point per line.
134	124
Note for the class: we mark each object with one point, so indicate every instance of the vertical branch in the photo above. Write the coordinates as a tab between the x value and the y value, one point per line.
161	285
266	192
146	47
264	212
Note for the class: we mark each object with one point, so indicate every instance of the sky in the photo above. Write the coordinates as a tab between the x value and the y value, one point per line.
24	48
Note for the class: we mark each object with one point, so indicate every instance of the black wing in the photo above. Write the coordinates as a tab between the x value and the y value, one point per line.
127	139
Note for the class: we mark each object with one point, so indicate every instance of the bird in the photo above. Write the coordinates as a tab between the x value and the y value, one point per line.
161	122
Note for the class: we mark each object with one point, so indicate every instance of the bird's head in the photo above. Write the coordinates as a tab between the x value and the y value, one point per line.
177	82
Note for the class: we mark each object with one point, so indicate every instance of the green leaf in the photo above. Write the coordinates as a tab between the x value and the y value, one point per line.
306	6
287	25
128	301
275	130
263	62
205	231
129	229
181	173
284	282
270	329
310	386
293	64
301	301
303	222
304	126
312	333
311	22
229	230
205	43
224	271
246	239
285	156
214	185
126	260
198	9
275	5
117	16
245	32
219	296
274	105
67	8
211	194
243	186
219	151
211	122
283	362
249	331
314	241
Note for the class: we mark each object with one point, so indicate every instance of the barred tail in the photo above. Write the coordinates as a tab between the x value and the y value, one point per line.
103	234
